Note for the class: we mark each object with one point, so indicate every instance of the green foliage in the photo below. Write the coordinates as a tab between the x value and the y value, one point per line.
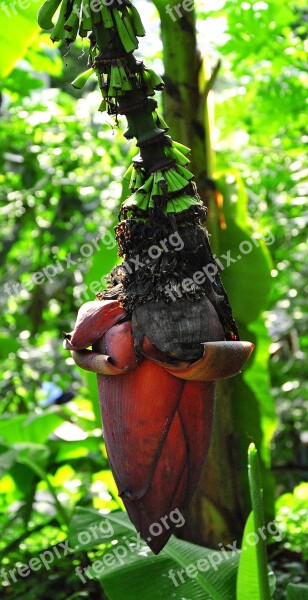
52	166
18	28
247	578
61	169
135	571
293	519
297	592
236	238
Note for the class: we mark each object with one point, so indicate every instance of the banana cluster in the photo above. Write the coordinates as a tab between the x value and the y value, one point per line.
119	17
139	203
176	178
116	79
170	189
79	16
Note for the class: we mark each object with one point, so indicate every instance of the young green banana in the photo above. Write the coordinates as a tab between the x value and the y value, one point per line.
182	182
176	155
73	20
96	11
156	81
107	17
129	27
128	174
136	21
103	106
58	32
136	200
126	84
82	79
126	41
72	24
184	172
156	189
147	83
184	149
174	181
46	12
132	184
147	186
115	78
140	178
160	121
86	20
184	202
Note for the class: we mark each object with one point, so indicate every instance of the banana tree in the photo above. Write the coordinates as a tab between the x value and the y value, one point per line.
221	503
162	333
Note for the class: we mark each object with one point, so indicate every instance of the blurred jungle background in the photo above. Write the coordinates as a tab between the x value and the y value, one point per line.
235	93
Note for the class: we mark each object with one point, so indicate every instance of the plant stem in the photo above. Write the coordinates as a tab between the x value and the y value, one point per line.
256	494
44	477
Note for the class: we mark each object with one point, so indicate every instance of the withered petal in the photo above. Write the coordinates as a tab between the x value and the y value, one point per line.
220	361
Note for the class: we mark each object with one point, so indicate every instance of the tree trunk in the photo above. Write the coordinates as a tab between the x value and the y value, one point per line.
221	502
184	106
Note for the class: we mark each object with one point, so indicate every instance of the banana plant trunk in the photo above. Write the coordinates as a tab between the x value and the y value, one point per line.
221	503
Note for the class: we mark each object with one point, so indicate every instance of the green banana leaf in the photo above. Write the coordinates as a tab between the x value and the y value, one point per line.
18	28
140	574
23	453
33	428
247	584
258	379
246	274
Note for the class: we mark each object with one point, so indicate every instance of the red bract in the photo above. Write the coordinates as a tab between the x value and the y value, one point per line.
157	414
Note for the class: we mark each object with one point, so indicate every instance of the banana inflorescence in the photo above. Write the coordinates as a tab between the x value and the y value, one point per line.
116	29
143	339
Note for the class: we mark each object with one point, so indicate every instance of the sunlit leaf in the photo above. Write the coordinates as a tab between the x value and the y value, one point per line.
18	28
